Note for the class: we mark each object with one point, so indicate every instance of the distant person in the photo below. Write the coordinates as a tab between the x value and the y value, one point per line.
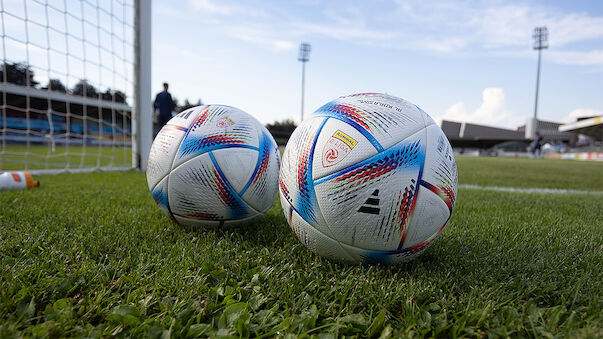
165	105
537	145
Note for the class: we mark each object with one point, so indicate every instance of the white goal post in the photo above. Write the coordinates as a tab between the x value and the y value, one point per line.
142	131
75	85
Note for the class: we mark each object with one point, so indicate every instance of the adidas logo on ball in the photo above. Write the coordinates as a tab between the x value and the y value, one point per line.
370	203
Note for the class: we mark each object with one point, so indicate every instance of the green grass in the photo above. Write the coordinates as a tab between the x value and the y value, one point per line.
526	172
92	255
16	157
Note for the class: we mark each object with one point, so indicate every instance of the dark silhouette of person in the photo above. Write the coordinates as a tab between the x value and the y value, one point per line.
165	105
537	145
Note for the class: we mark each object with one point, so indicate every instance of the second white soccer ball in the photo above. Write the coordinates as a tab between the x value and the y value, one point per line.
213	165
368	178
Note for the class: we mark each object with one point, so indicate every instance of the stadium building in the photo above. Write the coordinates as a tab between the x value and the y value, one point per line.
581	136
40	116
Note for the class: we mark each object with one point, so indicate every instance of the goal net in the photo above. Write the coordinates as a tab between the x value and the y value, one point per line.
68	85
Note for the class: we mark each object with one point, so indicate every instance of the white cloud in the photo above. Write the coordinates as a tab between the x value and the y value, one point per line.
499	24
210	7
491	112
575	27
350	16
222	8
282	45
581	113
260	35
583	58
164	9
512	25
500	28
344	32
444	45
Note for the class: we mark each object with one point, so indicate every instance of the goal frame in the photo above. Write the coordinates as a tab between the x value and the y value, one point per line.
142	113
140	108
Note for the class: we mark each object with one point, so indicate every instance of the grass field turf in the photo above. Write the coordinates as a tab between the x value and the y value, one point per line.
91	255
42	157
531	173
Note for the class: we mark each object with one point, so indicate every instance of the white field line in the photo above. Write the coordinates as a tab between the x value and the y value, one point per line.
528	190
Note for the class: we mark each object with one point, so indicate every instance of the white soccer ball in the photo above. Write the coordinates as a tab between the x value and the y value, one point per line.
368	178
213	165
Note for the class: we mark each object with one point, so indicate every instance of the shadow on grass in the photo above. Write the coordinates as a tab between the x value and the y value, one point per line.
464	265
266	231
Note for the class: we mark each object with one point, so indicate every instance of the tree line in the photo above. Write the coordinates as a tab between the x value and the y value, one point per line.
281	130
21	74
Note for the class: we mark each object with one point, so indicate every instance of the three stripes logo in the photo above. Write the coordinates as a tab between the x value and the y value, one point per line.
371	204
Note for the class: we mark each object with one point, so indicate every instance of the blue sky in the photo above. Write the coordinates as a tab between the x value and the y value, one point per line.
461	60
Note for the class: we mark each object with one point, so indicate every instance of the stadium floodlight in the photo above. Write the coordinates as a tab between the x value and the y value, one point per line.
540	42
304	56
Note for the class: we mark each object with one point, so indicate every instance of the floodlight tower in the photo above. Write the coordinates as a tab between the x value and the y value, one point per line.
540	42
304	56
